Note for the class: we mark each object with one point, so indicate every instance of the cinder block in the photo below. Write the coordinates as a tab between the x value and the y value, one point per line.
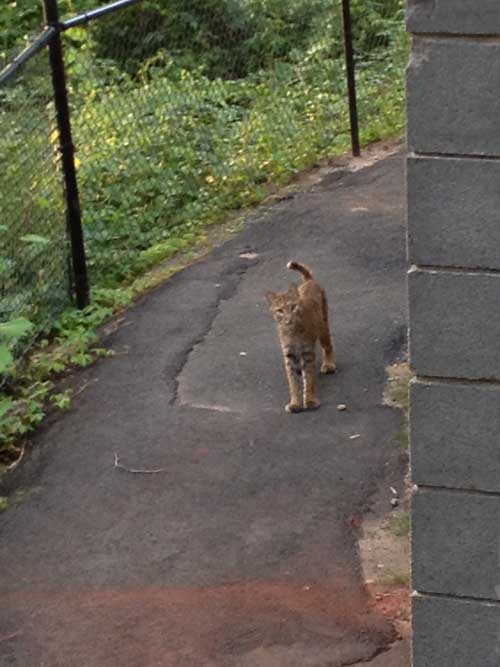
454	212
455	633
455	435
472	17
455	543
453	103
455	324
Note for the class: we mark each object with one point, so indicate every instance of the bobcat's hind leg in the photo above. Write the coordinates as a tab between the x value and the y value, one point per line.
325	339
326	342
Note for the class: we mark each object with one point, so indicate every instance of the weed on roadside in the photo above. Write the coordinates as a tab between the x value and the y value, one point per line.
30	384
399	524
399	579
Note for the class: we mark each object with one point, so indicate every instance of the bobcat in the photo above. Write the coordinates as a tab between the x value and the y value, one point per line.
302	317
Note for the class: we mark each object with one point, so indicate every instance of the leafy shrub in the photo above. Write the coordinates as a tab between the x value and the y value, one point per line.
167	148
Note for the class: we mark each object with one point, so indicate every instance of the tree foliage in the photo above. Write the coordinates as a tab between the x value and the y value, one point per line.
229	38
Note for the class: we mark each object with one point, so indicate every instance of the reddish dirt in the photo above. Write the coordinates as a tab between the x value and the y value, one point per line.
188	627
395	604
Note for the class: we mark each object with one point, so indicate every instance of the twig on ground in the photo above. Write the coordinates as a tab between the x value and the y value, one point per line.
15	463
84	386
118	353
137	471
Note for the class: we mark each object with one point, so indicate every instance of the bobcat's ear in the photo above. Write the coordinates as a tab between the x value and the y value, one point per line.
293	291
270	296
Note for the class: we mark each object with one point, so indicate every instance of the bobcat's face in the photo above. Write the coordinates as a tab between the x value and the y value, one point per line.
285	308
285	313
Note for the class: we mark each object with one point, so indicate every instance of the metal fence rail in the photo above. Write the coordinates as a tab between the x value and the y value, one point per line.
158	127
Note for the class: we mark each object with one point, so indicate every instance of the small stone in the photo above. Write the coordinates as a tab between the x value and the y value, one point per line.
353	437
341	407
394	502
243	354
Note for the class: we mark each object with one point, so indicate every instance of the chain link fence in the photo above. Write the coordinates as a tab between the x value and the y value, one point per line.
181	111
381	52
34	278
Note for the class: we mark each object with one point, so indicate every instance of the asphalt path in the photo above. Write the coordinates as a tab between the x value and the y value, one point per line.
241	550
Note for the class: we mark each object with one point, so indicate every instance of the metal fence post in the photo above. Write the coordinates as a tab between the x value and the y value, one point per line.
73	212
351	77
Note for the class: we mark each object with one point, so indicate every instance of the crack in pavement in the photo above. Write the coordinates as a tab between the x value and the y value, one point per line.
230	281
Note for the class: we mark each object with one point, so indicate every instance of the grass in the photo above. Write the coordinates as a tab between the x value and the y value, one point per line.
399	579
402	438
399	524
396	395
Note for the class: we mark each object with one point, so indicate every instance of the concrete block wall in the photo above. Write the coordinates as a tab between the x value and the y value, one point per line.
453	175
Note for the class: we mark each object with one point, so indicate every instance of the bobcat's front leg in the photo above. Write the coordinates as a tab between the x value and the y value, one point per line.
293	374
311	401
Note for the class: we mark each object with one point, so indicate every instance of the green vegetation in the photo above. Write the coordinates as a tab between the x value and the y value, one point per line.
224	36
10	333
397	395
396	392
31	384
400	579
400	524
183	110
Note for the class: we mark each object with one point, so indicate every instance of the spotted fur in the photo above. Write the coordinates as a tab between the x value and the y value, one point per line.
302	317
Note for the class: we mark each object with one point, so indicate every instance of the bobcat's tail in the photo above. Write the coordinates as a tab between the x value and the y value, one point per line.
296	266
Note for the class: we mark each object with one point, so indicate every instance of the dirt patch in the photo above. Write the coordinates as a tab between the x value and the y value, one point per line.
249	624
394	603
385	555
385	551
384	538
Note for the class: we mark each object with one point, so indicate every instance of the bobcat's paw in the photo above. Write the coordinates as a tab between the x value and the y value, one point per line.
312	405
293	407
328	368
